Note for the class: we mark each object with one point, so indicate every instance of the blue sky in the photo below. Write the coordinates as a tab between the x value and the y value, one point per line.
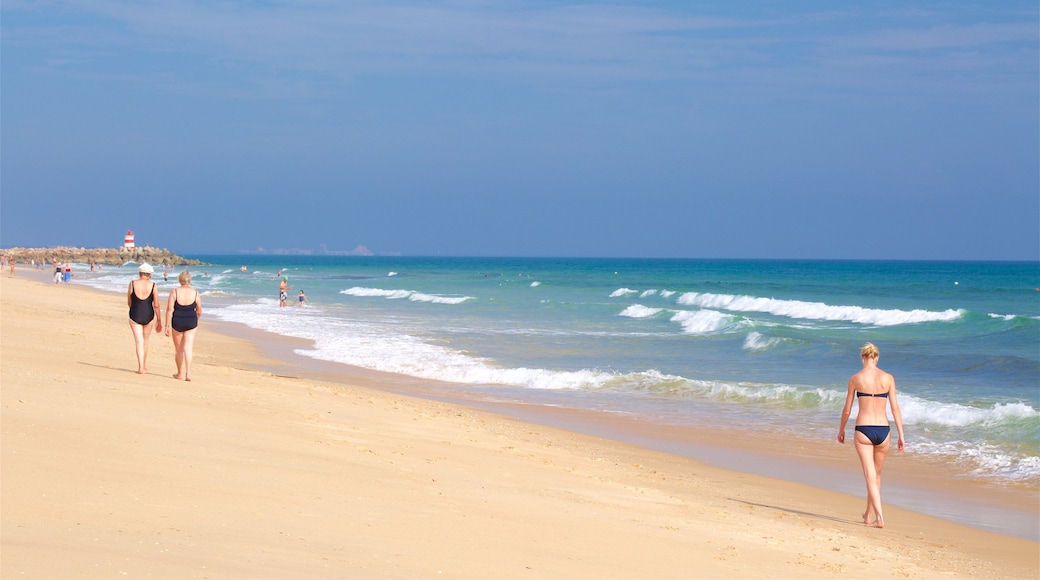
860	130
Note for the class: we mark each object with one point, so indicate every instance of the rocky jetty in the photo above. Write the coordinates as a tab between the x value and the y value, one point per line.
106	256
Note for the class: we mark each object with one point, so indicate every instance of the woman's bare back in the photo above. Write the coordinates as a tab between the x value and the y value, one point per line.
873	381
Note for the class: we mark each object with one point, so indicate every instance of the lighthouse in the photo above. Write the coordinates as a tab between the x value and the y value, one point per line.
128	240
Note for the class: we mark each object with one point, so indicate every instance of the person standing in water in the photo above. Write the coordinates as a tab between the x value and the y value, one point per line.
143	302
183	310
872	388
283	291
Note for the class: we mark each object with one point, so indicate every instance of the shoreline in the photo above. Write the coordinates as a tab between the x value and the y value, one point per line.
1006	509
246	473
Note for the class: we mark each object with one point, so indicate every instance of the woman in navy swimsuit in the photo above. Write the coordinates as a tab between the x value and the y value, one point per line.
872	388
183	310
142	312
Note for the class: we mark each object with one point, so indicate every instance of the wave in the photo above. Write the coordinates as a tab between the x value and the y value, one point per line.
535	284
985	459
815	310
647	293
622	292
922	411
639	311
409	294
756	341
436	299
692	321
704	321
1016	319
377	292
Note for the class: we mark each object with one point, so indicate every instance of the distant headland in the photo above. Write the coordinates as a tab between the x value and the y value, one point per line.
105	256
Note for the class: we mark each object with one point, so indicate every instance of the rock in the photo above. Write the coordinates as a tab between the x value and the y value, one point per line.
106	256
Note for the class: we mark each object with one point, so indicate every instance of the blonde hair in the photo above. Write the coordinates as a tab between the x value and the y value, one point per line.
869	351
184	278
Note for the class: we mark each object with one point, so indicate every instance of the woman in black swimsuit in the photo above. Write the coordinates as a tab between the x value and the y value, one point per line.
874	390
183	310
142	312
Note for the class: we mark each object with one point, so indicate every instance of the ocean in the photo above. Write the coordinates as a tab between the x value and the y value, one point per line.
760	347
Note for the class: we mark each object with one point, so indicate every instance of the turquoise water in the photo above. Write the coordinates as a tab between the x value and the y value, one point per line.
753	345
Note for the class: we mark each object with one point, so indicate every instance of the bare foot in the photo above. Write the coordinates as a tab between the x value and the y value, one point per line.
178	377
866	516
187	379
141	372
878	523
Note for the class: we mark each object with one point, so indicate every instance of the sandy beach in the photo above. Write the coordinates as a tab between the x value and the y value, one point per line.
247	473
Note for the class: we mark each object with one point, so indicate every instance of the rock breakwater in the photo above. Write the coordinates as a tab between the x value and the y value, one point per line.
106	256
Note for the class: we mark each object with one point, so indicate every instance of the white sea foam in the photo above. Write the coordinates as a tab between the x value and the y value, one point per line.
984	459
378	348
667	293
702	321
815	310
791	396
377	292
622	292
391	274
639	311
756	341
420	297
922	411
400	294
647	293
535	284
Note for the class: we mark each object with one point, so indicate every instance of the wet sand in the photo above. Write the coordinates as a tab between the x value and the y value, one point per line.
921	483
247	473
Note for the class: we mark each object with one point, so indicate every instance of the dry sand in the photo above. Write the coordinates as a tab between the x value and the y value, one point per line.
245	474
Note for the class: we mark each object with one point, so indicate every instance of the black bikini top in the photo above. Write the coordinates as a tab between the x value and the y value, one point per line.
862	394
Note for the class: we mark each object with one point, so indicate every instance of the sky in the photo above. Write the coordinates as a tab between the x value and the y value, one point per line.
712	129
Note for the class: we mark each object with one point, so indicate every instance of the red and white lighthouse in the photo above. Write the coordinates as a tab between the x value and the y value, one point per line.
128	240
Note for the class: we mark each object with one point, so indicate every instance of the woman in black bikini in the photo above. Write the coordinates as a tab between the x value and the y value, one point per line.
183	310
872	388
142	312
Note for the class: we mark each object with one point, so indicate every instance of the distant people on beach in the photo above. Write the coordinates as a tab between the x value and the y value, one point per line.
57	272
302	298
68	272
872	388
283	291
183	310
143	302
